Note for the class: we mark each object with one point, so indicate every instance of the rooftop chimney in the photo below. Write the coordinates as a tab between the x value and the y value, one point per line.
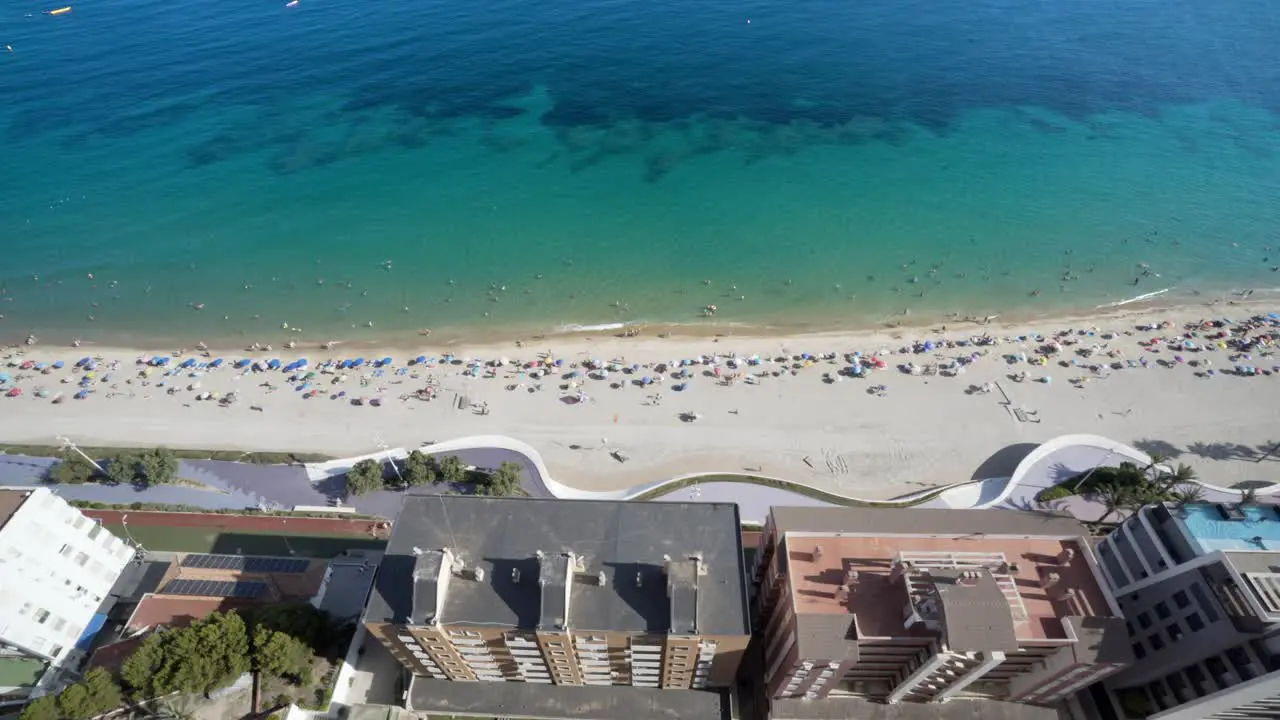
515	575
478	573
850	576
842	594
601	580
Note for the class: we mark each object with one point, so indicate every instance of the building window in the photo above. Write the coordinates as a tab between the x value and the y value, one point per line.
1194	622
41	616
1206	605
1180	599
1144	620
1162	610
1174	631
1156	642
65	551
1139	650
56	651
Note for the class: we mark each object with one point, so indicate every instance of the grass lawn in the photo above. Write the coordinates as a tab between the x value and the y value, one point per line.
213	540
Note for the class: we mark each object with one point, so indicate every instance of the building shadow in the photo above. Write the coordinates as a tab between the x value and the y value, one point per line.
1004	461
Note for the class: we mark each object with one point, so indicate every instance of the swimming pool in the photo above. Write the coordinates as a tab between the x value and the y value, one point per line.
1260	530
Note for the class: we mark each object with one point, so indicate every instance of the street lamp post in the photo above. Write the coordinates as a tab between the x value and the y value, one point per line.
124	522
382	444
1094	469
66	443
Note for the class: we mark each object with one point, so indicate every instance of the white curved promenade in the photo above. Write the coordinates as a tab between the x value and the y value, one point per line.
1047	464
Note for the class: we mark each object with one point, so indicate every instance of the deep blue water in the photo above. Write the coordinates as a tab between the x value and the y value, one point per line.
602	160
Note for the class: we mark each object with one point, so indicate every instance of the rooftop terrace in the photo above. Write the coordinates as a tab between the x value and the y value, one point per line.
1031	576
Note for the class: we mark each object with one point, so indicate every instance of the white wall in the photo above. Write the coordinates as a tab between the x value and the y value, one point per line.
56	566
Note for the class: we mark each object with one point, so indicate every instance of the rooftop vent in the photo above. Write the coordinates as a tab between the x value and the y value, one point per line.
515	575
601	580
639	579
478	574
842	594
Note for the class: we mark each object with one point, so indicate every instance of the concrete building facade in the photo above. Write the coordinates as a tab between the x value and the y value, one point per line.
1200	589
57	568
563	593
930	606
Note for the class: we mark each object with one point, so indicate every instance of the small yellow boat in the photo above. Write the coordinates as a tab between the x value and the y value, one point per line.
61	11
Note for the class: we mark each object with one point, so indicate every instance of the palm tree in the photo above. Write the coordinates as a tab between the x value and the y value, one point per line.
1183	474
1187	494
1114	497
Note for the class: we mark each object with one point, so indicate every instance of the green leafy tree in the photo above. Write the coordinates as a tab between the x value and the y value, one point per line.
122	469
300	620
71	470
74	703
104	692
44	708
140	669
418	469
501	482
206	655
158	466
452	470
364	477
280	655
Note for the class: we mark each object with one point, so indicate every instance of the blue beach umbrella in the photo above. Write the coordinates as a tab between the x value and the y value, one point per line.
83	361
58	365
82	394
216	363
274	364
420	359
357	362
301	362
385	361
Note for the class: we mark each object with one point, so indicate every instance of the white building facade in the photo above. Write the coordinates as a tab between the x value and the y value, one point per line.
57	566
1200	589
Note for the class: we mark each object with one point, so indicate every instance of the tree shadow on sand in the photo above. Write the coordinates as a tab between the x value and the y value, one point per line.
1223	451
1158	447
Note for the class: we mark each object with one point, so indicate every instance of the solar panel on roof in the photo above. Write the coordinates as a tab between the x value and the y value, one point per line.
245	564
215	588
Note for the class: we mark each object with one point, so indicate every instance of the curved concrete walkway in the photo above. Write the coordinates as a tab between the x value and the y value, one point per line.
1047	464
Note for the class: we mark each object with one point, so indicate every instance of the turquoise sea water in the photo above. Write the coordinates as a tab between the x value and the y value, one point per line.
548	164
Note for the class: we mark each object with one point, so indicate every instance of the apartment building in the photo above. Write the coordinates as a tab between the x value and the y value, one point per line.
927	606
57	568
1200	589
555	594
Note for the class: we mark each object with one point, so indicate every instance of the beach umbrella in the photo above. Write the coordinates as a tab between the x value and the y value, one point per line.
82	394
274	364
357	362
189	362
58	365
420	359
216	363
242	363
42	393
15	392
4	377
83	361
385	361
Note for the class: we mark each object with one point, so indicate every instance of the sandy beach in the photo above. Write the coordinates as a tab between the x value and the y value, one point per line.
806	418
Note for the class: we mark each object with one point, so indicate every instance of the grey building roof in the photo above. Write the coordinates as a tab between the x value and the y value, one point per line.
628	543
893	521
528	700
1254	561
826	636
1102	640
975	613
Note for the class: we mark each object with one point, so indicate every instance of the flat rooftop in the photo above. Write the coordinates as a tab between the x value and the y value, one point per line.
10	501
1208	528
878	604
628	543
587	702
